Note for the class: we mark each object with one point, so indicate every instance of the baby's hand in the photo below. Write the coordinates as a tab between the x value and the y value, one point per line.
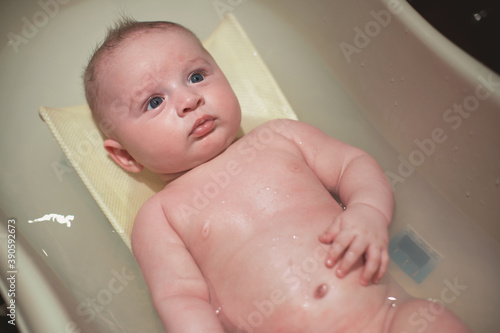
359	230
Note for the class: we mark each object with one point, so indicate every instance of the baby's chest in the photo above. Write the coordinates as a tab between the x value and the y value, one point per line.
244	184
252	172
240	195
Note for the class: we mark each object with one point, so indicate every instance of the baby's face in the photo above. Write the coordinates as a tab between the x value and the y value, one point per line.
171	106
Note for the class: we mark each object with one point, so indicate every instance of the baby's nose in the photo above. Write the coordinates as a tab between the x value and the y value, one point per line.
189	101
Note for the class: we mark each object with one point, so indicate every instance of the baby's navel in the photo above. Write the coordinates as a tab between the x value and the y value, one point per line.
321	291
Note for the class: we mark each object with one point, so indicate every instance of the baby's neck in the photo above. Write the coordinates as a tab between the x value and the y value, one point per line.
171	177
167	178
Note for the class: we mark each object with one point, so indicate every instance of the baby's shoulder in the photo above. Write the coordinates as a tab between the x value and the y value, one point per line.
274	129
151	207
287	128
279	125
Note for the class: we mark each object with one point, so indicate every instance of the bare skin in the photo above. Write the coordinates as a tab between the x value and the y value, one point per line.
258	259
246	236
260	245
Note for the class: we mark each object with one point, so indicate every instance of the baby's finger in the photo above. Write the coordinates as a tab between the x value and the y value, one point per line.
372	266
384	263
353	253
329	235
337	249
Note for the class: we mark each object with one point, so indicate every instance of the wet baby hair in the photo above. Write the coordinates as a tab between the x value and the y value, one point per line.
123	30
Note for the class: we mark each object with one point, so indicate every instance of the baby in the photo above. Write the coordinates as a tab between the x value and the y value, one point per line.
247	235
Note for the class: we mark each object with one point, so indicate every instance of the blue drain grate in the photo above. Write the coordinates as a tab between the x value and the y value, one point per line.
413	255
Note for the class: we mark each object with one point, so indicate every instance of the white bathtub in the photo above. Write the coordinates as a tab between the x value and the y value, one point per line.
381	92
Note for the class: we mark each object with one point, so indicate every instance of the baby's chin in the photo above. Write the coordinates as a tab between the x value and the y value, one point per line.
215	150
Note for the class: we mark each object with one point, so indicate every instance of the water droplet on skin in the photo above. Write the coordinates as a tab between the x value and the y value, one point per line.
218	311
206	230
467	194
392	301
392	80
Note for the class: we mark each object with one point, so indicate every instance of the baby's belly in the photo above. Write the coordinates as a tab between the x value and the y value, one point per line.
277	282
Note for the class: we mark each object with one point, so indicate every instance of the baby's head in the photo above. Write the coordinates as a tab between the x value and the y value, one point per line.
160	98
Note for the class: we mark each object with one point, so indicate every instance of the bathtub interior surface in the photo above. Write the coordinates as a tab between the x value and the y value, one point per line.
386	93
419	87
79	265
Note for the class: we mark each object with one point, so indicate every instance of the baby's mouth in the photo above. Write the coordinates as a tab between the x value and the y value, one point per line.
202	126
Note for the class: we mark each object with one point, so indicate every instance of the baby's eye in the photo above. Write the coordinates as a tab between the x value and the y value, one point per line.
196	77
155	102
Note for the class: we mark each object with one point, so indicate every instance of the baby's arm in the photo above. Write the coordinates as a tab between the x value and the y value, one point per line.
178	289
357	179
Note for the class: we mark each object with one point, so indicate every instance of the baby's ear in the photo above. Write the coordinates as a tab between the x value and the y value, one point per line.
121	156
